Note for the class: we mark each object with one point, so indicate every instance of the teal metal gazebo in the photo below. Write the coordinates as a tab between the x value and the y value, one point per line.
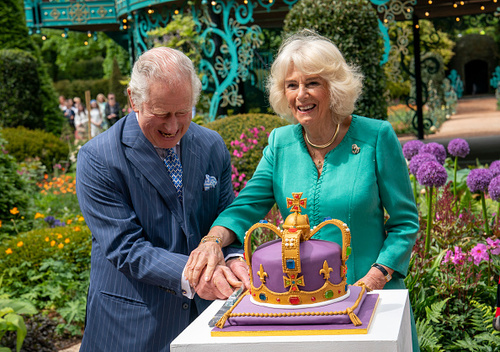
231	30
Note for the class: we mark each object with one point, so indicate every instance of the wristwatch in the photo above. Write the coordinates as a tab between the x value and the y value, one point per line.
388	276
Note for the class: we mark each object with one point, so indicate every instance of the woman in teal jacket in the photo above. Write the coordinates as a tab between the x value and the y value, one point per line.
348	167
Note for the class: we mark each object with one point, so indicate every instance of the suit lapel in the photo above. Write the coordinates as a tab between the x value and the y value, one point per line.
192	168
143	156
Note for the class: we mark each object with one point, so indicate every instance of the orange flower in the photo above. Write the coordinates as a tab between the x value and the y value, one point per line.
8	251
20	243
81	218
52	243
46	176
0	223
60	246
47	239
59	236
69	221
38	216
77	228
66	240
14	211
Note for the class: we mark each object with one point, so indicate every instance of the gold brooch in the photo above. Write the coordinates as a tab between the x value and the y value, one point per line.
355	149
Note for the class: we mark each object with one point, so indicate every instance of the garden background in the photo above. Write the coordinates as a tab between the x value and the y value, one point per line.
45	243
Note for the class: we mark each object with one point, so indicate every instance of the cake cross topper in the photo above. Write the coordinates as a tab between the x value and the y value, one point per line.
296	202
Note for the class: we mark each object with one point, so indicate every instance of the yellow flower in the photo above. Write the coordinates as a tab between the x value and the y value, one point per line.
69	221
8	251
60	246
14	211
52	243
47	239
20	243
77	228
81	218
66	240
38	216
59	236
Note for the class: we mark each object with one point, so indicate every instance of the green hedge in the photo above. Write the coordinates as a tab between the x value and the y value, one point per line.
29	144
352	25
234	127
77	88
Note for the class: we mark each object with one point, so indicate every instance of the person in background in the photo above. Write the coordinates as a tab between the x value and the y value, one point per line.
76	101
101	101
112	110
62	103
349	168
69	114
148	190
95	118
81	122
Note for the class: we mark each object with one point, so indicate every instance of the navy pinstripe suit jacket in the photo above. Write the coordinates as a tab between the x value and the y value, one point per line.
142	234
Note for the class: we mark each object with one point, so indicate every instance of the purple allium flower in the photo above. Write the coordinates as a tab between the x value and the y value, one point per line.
478	180
494	188
411	148
432	174
480	253
418	160
493	246
435	149
458	147
50	220
495	168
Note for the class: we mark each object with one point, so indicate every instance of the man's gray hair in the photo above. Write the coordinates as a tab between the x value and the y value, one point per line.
162	65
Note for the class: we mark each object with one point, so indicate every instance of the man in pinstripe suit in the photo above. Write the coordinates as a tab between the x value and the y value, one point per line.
143	227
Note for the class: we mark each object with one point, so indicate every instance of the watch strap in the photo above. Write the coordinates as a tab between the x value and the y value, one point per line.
388	276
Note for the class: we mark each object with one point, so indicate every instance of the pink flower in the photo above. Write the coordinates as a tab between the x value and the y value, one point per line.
245	149
243	175
459	256
254	141
233	176
447	257
493	246
235	152
480	253
243	136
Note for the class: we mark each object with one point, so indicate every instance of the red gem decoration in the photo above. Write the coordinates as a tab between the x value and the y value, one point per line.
292	276
294	300
278	299
292	229
294	288
340	291
296	196
313	299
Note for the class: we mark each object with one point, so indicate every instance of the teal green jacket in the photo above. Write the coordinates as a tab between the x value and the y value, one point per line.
353	187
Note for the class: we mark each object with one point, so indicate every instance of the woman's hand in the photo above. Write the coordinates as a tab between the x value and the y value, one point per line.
374	279
208	255
240	268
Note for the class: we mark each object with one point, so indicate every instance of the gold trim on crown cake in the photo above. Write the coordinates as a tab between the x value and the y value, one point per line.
296	229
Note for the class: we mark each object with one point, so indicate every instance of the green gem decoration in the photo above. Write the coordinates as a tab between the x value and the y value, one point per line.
328	294
348	251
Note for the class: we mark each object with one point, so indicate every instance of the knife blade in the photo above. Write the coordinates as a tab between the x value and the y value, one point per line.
226	306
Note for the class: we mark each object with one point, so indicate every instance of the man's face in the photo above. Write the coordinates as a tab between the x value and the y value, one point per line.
111	99
165	118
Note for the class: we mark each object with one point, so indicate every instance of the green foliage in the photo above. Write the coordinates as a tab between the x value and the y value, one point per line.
116	86
181	34
20	103
77	88
40	335
11	320
352	25
15	191
28	144
231	129
14	35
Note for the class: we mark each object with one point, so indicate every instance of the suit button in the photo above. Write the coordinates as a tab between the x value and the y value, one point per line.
185	306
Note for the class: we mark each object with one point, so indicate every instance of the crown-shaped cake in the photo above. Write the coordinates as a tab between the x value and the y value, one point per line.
307	280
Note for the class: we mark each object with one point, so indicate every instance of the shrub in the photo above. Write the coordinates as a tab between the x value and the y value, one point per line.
14	197
77	88
352	25
233	127
20	103
40	335
26	144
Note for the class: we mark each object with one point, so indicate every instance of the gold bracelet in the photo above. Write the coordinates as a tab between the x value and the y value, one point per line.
215	239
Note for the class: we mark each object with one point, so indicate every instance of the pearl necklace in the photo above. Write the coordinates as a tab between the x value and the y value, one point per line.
326	145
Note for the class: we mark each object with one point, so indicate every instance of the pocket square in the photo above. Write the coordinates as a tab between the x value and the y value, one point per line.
210	182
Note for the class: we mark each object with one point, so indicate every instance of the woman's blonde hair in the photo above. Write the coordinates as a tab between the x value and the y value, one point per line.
311	54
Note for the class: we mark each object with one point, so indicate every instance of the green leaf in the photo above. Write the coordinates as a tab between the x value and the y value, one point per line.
18	322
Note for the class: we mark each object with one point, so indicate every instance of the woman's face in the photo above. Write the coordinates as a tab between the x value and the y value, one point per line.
308	97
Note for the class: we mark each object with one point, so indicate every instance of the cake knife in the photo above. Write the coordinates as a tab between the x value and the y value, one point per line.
225	307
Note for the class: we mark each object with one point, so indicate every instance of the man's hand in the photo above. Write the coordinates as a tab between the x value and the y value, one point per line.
203	259
221	285
240	268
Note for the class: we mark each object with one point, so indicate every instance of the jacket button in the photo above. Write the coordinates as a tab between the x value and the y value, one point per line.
185	306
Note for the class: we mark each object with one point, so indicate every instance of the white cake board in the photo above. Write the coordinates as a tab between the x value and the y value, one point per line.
390	331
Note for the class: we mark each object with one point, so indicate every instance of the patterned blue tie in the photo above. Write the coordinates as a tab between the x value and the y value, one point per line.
175	170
